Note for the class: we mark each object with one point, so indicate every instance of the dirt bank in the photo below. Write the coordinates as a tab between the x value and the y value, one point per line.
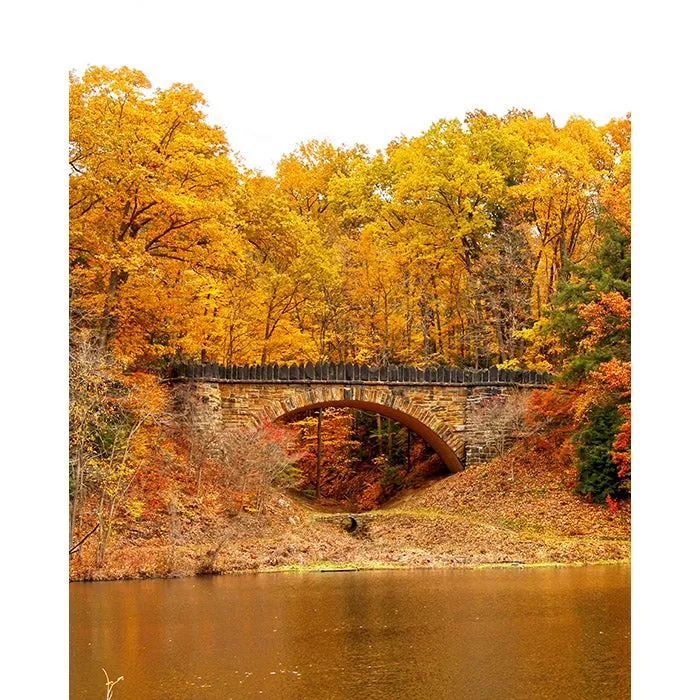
486	515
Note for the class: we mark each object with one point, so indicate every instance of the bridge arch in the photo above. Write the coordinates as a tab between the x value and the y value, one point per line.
438	434
447	406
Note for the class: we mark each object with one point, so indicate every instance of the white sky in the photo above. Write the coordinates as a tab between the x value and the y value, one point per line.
278	73
275	73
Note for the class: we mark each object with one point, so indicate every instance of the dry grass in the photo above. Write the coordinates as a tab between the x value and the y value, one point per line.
477	517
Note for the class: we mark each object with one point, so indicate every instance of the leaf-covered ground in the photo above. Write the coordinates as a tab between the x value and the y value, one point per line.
480	516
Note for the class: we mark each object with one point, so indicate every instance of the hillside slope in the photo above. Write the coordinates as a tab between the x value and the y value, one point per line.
480	516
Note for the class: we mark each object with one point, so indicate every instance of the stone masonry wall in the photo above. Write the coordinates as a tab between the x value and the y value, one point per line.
465	424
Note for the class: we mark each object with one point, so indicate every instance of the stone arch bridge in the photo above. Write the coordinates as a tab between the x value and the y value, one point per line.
459	412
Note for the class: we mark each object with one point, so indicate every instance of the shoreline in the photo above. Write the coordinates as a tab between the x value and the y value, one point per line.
385	541
368	566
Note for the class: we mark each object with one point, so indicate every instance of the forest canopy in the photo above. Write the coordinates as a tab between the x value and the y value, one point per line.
445	247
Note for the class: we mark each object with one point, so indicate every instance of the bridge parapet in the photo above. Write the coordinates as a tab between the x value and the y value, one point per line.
354	373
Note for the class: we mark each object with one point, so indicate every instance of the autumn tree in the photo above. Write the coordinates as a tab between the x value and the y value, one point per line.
586	337
359	458
115	417
559	195
335	457
150	211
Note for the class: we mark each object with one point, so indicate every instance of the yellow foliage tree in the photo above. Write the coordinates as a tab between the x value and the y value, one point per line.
150	193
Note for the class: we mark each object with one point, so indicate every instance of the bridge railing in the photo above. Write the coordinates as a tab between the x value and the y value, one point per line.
354	373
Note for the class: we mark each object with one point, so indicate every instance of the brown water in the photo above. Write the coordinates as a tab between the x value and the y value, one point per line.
502	633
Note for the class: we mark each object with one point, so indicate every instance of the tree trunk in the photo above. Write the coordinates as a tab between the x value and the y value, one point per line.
318	453
77	498
408	449
436	315
390	439
105	320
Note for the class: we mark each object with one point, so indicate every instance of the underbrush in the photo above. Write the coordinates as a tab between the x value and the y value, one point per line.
519	507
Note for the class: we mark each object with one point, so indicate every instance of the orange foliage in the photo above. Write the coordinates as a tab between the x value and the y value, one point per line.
353	470
550	418
555	415
612	380
612	503
553	404
336	452
615	375
608	313
621	451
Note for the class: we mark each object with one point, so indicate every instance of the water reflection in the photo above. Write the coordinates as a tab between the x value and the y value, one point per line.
513	633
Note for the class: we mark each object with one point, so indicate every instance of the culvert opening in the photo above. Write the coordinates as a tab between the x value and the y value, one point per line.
356	459
349	523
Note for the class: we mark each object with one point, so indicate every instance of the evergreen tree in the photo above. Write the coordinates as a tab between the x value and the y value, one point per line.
597	472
